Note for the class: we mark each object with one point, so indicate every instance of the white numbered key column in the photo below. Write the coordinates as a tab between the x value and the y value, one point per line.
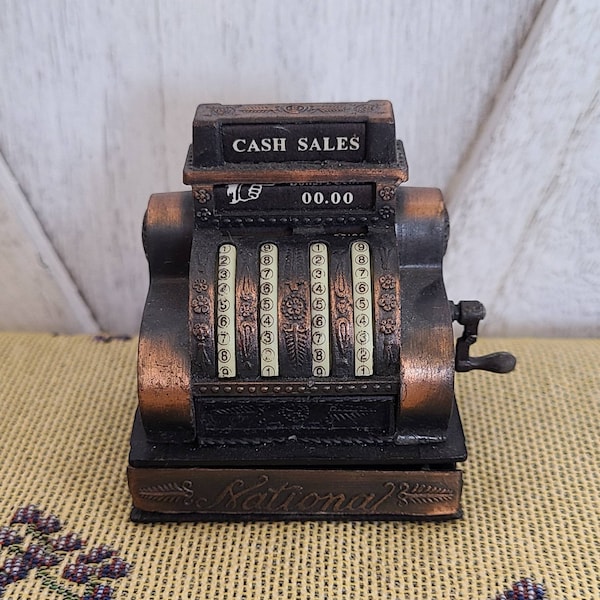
269	336
363	309
319	309
226	311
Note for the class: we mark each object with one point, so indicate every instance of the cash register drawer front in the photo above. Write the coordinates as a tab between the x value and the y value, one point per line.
264	417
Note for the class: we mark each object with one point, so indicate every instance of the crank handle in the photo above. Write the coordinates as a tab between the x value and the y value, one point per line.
469	313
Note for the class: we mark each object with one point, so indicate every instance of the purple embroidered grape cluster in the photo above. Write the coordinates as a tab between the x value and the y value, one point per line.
524	589
30	544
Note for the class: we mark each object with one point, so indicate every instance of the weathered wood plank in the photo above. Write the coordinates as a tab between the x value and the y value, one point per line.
524	207
98	97
439	62
38	293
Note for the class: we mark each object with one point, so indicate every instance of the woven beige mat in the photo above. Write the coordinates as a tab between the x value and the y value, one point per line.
531	498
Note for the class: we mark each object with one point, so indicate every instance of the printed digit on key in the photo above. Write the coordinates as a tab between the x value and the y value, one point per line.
319	304
266	304
318	321
266	337
363	355
318	338
363	320
362	303
318	354
362	337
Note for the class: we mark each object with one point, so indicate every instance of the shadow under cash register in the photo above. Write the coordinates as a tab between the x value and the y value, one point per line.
296	353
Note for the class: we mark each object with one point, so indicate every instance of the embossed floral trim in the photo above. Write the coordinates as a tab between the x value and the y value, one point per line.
343	306
294	307
246	310
294	414
201	331
222	110
204	214
386	212
202	196
387	326
387	282
388	302
200	285
200	304
387	193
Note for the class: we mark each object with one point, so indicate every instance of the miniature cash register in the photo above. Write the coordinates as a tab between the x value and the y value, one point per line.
296	353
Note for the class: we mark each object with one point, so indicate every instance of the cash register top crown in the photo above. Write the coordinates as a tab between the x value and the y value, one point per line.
280	143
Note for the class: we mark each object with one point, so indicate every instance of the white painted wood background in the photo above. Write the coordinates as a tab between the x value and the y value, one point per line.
497	104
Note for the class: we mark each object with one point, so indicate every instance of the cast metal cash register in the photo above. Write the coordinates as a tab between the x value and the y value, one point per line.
296	353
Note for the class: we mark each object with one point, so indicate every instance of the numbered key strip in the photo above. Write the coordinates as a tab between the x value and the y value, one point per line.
226	311
269	335
319	309
363	309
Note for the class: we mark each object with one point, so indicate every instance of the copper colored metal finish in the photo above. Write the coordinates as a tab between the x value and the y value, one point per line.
426	360
283	173
222	494
163	356
296	354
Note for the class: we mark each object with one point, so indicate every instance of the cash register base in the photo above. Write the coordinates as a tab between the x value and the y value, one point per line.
296	480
